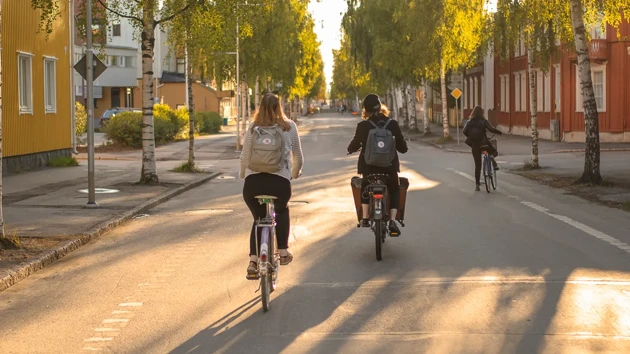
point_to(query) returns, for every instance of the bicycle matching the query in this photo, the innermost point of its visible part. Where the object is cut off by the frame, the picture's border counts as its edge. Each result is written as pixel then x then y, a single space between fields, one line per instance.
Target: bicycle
pixel 489 172
pixel 268 256
pixel 377 190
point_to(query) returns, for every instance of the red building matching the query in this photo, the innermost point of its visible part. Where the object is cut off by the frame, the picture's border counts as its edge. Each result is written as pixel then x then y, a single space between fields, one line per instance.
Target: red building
pixel 559 99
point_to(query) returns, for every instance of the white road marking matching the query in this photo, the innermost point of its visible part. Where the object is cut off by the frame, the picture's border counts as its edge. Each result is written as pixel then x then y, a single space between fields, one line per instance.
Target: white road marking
pixel 99 339
pixel 130 304
pixel 567 220
pixel 105 329
pixel 115 320
pixel 92 349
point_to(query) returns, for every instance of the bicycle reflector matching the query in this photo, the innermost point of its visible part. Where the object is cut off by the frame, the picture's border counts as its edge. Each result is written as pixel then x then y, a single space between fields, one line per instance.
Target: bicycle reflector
pixel 263 257
pixel 378 196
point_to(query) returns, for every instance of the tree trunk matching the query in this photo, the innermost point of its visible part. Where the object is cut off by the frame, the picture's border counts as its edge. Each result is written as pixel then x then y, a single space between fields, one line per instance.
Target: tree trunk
pixel 413 114
pixel 149 168
pixel 444 100
pixel 591 172
pixel 257 93
pixel 533 106
pixel 191 113
pixel 3 240
pixel 243 99
pixel 425 108
pixel 394 107
pixel 405 108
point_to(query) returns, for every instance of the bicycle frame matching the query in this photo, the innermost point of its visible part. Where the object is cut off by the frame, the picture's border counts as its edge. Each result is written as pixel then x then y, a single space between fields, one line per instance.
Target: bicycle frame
pixel 268 240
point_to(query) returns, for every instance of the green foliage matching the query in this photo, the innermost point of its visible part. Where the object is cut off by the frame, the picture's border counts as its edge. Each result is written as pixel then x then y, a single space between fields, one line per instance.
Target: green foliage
pixel 63 161
pixel 126 128
pixel 187 168
pixel 80 126
pixel 208 122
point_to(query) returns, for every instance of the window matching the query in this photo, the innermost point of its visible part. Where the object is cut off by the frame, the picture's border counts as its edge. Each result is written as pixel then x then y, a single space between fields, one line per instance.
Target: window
pixel 181 66
pixel 25 82
pixel 523 97
pixel 517 92
pixel 597 32
pixel 50 85
pixel 129 62
pixel 116 30
pixel 547 79
pixel 465 93
pixel 598 75
pixel 557 86
pixel 505 93
pixel 539 90
pixel 475 92
pixel 482 93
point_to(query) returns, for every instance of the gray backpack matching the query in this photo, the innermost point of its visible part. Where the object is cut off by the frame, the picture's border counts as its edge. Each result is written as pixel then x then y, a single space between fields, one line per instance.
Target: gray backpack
pixel 267 149
pixel 380 149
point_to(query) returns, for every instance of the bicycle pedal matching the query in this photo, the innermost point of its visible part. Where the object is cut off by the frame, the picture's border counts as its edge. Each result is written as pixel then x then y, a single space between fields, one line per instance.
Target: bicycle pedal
pixel 391 234
pixel 252 277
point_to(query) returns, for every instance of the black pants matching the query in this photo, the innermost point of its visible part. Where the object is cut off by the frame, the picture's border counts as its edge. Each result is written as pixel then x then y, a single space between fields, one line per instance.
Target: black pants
pixel 477 152
pixel 268 184
pixel 393 187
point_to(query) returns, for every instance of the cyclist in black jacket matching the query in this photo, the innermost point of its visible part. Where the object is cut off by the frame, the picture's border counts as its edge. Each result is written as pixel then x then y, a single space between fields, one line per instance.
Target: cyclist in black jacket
pixel 377 112
pixel 475 132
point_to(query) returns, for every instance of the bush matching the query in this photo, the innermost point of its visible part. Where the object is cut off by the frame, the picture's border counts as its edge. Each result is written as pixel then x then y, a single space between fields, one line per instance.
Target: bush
pixel 125 129
pixel 184 122
pixel 208 122
pixel 63 161
pixel 80 126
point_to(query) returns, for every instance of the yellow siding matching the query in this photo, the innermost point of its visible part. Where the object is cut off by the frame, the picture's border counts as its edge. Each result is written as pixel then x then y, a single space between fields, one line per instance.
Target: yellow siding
pixel 37 132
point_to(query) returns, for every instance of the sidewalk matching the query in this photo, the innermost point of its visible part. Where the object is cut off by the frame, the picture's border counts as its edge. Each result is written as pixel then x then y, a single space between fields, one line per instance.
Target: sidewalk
pixel 47 209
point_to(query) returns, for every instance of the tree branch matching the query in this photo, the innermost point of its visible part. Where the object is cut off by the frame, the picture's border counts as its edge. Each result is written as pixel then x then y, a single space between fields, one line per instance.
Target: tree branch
pixel 118 13
pixel 172 16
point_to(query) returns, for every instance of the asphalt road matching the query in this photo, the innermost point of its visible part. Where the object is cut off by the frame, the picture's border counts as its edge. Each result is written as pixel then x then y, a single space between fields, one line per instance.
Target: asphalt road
pixel 524 269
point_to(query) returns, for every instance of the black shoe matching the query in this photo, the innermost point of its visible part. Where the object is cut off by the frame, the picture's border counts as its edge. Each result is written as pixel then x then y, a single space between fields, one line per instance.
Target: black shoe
pixel 365 223
pixel 394 231
pixel 477 189
pixel 496 167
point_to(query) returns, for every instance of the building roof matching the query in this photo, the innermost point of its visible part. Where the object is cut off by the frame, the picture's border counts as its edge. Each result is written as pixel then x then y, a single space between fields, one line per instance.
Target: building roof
pixel 171 77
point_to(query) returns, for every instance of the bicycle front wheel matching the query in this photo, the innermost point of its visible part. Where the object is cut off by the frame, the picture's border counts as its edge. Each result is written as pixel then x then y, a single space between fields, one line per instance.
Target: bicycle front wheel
pixel 378 233
pixel 494 179
pixel 484 168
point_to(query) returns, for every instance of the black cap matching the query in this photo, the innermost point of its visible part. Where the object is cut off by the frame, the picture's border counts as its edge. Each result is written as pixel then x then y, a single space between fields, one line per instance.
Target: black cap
pixel 372 103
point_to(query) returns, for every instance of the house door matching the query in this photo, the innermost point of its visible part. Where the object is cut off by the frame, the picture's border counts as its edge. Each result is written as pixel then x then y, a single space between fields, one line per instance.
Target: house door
pixel 115 97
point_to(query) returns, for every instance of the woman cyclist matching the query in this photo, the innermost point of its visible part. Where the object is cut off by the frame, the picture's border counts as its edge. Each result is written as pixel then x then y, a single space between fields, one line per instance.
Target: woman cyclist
pixel 277 184
pixel 475 132
pixel 375 112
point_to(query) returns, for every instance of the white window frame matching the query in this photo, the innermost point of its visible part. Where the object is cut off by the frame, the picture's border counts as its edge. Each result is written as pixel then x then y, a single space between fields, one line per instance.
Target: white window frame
pixel 558 86
pixel 50 107
pixel 465 93
pixel 523 97
pixel 481 93
pixel 517 92
pixel 578 92
pixel 507 93
pixel 28 109
pixel 547 78
pixel 475 93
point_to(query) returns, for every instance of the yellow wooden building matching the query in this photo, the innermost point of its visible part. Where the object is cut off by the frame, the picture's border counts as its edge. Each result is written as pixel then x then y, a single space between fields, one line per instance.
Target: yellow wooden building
pixel 36 87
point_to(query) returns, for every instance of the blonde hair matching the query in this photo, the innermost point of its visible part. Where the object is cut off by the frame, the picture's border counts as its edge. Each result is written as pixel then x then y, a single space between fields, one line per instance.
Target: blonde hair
pixel 270 113
pixel 384 111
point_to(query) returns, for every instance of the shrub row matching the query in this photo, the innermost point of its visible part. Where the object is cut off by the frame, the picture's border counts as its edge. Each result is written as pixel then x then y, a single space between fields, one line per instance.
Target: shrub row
pixel 169 125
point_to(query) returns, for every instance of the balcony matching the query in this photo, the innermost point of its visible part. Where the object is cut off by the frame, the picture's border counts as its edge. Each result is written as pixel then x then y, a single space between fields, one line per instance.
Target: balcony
pixel 597 50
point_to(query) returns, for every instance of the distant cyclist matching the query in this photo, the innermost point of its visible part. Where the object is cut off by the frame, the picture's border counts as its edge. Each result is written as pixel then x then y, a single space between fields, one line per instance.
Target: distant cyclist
pixel 475 132
pixel 271 157
pixel 376 114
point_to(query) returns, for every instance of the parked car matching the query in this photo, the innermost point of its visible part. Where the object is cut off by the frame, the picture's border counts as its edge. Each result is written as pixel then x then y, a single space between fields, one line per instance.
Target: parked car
pixel 112 112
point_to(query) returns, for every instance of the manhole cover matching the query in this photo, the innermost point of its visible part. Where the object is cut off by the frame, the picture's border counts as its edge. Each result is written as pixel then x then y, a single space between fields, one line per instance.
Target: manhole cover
pixel 226 177
pixel 101 191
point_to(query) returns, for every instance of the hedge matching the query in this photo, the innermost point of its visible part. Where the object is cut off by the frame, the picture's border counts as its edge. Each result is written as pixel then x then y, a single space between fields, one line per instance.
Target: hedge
pixel 126 128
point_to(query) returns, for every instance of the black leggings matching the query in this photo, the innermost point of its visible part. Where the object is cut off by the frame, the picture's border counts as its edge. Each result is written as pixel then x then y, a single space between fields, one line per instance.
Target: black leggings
pixel 477 152
pixel 274 185
pixel 393 187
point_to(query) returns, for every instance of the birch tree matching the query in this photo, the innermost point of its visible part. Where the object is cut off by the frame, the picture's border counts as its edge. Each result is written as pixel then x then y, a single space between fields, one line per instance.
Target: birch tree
pixel 4 242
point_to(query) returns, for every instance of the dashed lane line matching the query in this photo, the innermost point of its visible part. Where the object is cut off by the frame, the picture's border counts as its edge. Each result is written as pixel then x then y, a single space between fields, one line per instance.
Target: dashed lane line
pixel 565 219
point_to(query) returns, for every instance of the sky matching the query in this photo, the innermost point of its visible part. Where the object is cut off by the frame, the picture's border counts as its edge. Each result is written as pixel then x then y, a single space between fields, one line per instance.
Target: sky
pixel 327 15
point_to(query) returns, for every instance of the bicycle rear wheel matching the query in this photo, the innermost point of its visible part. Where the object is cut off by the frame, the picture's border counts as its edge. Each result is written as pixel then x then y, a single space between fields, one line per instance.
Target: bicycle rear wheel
pixel 265 290
pixel 494 179
pixel 378 236
pixel 266 278
pixel 484 168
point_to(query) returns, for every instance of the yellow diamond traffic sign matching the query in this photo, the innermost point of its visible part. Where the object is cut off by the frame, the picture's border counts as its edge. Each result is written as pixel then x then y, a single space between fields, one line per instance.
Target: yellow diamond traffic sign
pixel 457 93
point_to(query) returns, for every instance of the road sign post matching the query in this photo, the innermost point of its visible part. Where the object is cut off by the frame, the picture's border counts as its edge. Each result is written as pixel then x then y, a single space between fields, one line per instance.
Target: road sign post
pixel 457 93
pixel 90 67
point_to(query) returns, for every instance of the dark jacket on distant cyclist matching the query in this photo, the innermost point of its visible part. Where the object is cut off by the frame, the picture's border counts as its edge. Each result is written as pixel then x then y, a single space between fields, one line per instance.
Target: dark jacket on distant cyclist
pixel 360 140
pixel 480 121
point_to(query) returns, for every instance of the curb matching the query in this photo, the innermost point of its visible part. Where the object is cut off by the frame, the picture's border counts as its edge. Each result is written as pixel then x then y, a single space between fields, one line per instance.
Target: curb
pixel 441 147
pixel 23 270
pixel 564 151
pixel 109 158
